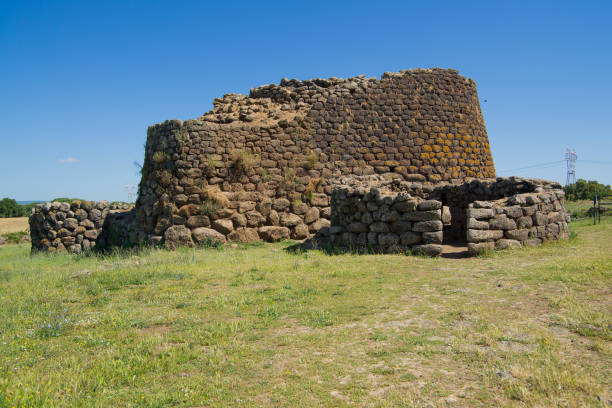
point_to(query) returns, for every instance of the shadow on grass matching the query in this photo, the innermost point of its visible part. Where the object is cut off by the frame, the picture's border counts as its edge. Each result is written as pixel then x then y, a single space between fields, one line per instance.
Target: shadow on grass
pixel 316 244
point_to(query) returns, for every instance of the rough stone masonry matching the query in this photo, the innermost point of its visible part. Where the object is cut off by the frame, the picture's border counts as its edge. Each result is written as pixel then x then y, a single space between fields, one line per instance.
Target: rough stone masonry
pixel 264 166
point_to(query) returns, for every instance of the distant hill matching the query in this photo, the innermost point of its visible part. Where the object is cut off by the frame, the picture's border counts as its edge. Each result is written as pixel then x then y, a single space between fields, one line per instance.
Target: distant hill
pixel 30 202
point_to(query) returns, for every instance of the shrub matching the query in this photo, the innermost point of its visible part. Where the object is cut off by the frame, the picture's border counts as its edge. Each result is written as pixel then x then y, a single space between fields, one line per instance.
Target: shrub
pixel 313 186
pixel 310 160
pixel 160 157
pixel 164 177
pixel 265 175
pixel 212 201
pixel 15 237
pixel 211 163
pixel 243 161
pixel 10 208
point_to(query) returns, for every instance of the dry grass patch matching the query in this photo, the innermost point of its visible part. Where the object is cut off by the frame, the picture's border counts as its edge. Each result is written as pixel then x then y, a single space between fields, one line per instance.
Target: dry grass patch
pixel 17 224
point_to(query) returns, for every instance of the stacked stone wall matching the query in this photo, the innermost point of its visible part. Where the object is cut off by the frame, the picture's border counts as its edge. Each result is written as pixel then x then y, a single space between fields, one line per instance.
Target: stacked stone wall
pixel 520 220
pixel 384 221
pixel 275 153
pixel 81 226
pixel 391 215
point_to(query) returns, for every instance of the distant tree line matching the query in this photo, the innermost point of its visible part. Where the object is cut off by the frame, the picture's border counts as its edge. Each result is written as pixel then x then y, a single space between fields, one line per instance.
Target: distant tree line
pixel 586 190
pixel 10 208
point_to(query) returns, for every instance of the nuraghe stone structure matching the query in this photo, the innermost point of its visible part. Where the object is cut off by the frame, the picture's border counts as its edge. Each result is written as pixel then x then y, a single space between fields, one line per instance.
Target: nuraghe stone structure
pixel 293 160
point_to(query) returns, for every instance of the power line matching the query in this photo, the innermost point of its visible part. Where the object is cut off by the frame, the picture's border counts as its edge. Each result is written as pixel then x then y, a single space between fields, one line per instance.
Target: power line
pixel 555 163
pixel 596 161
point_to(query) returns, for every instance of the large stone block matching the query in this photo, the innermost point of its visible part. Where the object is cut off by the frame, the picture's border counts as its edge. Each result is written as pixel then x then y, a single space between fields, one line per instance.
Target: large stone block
pixel 273 233
pixel 429 205
pixel 427 215
pixel 203 234
pixel 243 234
pixel 196 221
pixel 518 235
pixel 480 247
pixel 502 222
pixel 290 220
pixel 507 244
pixel 480 213
pixel 428 249
pixel 433 237
pixel 224 226
pixel 483 235
pixel 177 236
pixel 427 226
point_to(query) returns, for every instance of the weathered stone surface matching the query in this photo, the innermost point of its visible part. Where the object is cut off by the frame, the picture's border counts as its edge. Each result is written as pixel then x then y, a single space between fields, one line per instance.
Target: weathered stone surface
pixel 388 239
pixel 514 211
pixel 244 235
pixel 502 223
pixel 483 204
pixel 483 235
pixel 540 218
pixel 480 247
pixel 480 213
pixel 429 205
pixel 400 227
pixel 517 235
pixel 273 233
pixel 507 244
pixel 318 225
pixel 91 235
pixel 410 238
pixel 197 221
pixel 176 236
pixel 432 237
pixel 405 206
pixel 357 227
pixel 379 227
pixel 311 215
pixel 300 232
pixel 281 204
pixel 71 223
pixel 428 249
pixel 427 226
pixel 429 215
pixel 473 223
pixel 524 222
pixel 203 234
pixel 290 220
pixel 224 226
pixel 254 219
pixel 239 220
pixel 319 200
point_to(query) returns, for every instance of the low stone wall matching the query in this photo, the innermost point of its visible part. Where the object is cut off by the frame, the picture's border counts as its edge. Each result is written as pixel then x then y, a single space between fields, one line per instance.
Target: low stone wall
pixel 392 215
pixel 79 226
pixel 366 212
pixel 520 220
pixel 385 221
pixel 237 217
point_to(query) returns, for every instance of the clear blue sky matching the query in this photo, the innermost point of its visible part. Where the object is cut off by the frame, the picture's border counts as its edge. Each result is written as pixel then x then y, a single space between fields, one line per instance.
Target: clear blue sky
pixel 81 81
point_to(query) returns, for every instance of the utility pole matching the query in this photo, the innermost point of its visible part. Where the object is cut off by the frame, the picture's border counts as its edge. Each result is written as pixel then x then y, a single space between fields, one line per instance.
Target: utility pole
pixel 131 190
pixel 570 160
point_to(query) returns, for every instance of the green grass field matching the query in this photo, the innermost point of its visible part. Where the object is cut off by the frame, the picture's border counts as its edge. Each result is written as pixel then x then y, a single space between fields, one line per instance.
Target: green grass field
pixel 261 326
